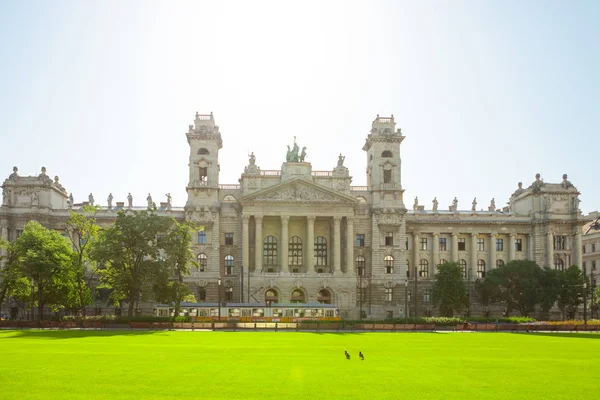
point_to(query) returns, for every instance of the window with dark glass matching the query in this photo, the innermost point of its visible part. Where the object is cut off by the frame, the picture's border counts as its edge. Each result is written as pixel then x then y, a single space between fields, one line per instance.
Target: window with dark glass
pixel 424 268
pixel 360 240
pixel 389 238
pixel 270 251
pixel 499 263
pixel 387 176
pixel 229 294
pixel 360 266
pixel 499 244
pixel 462 246
pixel 202 262
pixel 388 262
pixel 423 243
pixel 295 251
pixel 427 296
pixel 320 251
pixel 229 239
pixel 442 244
pixel 228 265
pixel 463 264
pixel 559 242
pixel 389 294
pixel 518 245
pixel 559 264
pixel 480 244
pixel 480 269
pixel 202 237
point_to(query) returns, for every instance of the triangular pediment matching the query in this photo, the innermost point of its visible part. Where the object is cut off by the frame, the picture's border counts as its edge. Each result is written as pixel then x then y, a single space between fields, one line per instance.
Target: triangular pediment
pixel 298 190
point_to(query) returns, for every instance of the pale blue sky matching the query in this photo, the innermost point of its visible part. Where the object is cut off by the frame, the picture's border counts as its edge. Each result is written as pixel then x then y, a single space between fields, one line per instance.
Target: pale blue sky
pixel 486 93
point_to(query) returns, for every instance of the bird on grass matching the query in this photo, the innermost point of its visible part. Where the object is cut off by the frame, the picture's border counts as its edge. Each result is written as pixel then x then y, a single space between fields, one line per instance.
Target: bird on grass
pixel 360 355
pixel 347 355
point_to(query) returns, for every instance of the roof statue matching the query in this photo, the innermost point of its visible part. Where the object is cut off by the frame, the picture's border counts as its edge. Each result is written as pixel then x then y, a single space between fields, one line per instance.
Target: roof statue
pixel 435 204
pixel 292 155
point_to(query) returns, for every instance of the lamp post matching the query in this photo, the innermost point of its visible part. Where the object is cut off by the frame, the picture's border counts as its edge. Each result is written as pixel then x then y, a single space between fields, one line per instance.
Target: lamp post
pixel 405 301
pixel 585 305
pixel 360 294
pixel 468 292
pixel 219 297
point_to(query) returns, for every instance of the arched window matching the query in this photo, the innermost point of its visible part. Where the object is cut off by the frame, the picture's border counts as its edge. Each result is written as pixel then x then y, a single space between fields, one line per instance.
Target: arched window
pixel 463 264
pixel 295 252
pixel 424 268
pixel 270 251
pixel 298 296
pixel 229 265
pixel 480 269
pixel 201 294
pixel 442 261
pixel 229 199
pixel 499 263
pixel 203 151
pixel 202 262
pixel 360 266
pixel 321 251
pixel 386 154
pixel 388 262
pixel 271 296
pixel 324 296
pixel 559 264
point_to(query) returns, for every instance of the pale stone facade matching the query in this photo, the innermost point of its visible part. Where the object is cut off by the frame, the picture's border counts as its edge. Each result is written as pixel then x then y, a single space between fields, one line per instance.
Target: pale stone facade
pixel 296 234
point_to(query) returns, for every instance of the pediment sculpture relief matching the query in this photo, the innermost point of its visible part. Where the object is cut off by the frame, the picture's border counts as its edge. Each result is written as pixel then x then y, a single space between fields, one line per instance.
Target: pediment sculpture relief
pixel 298 193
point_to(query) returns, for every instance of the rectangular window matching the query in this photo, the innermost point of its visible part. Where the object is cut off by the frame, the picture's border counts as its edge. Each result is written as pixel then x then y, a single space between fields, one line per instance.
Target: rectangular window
pixel 389 314
pixel 389 239
pixel 462 246
pixel 406 244
pixel 202 237
pixel 387 176
pixel 559 242
pixel 228 270
pixel 423 243
pixel 229 239
pixel 593 265
pixel 389 294
pixel 203 174
pixel 201 294
pixel 499 244
pixel 518 245
pixel 583 249
pixel 480 244
pixel 442 244
pixel 229 294
pixel 360 240
pixel 593 247
pixel 427 296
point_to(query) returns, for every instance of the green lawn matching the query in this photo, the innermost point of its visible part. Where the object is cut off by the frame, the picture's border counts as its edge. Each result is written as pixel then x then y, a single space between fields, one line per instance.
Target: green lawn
pixel 286 365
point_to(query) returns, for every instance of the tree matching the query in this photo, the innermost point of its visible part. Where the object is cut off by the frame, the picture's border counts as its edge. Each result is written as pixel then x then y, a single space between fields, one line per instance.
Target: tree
pixel 517 285
pixel 83 232
pixel 570 295
pixel 550 283
pixel 127 255
pixel 449 292
pixel 42 258
pixel 12 284
pixel 177 258
pixel 594 302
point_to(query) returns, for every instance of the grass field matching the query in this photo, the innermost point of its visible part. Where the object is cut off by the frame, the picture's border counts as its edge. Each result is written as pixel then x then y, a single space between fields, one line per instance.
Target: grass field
pixel 284 365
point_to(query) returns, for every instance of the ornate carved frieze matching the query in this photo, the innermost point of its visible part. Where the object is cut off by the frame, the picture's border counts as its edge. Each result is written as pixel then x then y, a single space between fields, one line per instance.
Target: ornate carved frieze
pixel 299 193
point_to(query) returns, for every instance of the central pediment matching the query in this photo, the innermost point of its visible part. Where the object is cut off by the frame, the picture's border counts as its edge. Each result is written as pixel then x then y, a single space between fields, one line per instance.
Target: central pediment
pixel 298 190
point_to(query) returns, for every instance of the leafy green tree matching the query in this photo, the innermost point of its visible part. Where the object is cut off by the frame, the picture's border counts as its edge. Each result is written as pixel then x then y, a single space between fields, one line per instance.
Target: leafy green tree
pixel 449 292
pixel 128 255
pixel 42 258
pixel 550 285
pixel 594 302
pixel 570 295
pixel 12 284
pixel 518 284
pixel 83 232
pixel 177 258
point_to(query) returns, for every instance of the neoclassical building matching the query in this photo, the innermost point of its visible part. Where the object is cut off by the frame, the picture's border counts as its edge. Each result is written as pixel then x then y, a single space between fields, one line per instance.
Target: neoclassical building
pixel 299 235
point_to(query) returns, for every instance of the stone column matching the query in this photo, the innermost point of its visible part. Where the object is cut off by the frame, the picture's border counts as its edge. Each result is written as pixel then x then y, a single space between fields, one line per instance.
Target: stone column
pixel 416 254
pixel 511 247
pixel 245 242
pixel 436 250
pixel 285 219
pixel 337 253
pixel 310 244
pixel 550 250
pixel 350 246
pixel 530 246
pixel 454 252
pixel 577 251
pixel 258 243
pixel 3 236
pixel 492 259
pixel 473 253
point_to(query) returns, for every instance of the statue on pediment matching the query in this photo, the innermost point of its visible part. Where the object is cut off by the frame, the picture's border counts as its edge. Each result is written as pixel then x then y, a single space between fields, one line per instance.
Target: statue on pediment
pixel 454 206
pixel 341 160
pixel 435 204
pixel 416 203
pixel 474 204
pixel 14 175
pixel 565 184
pixel 537 184
pixel 70 201
pixel 129 200
pixel 252 159
pixel 150 202
pixel 292 155
pixel 168 201
pixel 91 199
pixel 492 206
pixel 109 201
pixel 303 154
pixel 519 190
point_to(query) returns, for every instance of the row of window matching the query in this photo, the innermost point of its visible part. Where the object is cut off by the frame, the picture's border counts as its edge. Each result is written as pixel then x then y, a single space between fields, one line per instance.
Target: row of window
pixel 462 244
pixel 584 265
pixel 388 295
pixel 592 248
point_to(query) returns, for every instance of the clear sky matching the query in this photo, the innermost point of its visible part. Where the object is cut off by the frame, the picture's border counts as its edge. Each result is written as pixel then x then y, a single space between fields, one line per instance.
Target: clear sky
pixel 486 93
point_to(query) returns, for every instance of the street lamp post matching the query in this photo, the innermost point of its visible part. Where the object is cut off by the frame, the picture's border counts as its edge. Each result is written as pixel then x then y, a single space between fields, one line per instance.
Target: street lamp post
pixel 585 305
pixel 405 301
pixel 219 297
pixel 468 292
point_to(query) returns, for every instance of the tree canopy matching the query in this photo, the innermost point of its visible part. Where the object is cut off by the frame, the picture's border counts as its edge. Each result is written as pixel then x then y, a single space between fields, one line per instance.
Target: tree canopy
pixel 449 292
